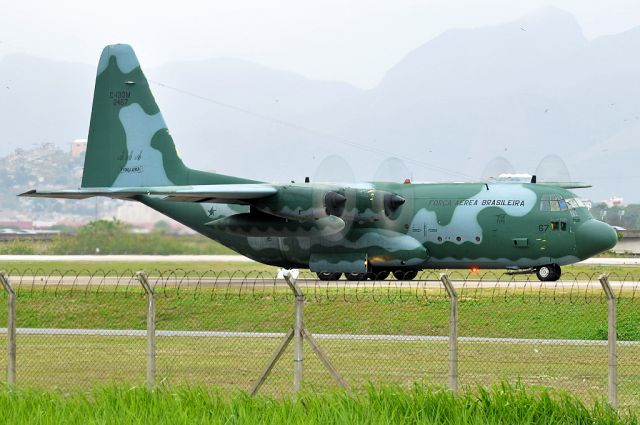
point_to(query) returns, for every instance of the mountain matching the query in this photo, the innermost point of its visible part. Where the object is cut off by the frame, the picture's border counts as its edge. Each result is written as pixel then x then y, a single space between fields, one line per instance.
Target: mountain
pixel 521 90
pixel 43 101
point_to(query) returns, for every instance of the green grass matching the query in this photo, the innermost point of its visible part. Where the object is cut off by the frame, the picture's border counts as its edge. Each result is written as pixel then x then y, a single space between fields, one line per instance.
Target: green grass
pixel 500 404
pixel 510 316
pixel 120 242
pixel 86 268
pixel 234 363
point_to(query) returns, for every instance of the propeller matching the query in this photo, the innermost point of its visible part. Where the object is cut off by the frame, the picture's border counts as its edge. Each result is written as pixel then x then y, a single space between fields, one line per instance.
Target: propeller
pixel 495 167
pixel 334 192
pixel 334 169
pixel 392 170
pixel 334 203
pixel 552 168
pixel 392 202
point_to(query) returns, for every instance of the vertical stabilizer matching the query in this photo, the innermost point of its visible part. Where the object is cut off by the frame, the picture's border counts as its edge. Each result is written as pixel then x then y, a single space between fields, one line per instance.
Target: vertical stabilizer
pixel 129 143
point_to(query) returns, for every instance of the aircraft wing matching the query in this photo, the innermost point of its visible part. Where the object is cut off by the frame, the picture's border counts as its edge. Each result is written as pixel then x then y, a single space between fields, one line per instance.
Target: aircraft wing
pixel 221 193
pixel 567 185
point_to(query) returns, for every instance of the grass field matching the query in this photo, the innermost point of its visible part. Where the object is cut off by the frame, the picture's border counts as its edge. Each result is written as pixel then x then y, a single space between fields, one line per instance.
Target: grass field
pixel 233 363
pixel 373 312
pixel 69 361
pixel 119 267
pixel 501 404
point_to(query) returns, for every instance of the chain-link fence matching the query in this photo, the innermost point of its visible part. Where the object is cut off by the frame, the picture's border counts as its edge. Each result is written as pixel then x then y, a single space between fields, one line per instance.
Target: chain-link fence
pixel 76 329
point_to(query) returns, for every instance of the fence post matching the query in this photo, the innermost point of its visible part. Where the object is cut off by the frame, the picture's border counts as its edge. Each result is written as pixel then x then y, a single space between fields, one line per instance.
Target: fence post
pixel 11 328
pixel 151 328
pixel 453 331
pixel 298 332
pixel 298 360
pixel 612 341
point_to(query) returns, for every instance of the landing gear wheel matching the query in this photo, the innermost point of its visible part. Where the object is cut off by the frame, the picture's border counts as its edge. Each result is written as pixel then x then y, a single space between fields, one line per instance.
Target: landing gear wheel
pixel 548 273
pixel 405 274
pixel 380 275
pixel 356 276
pixel 329 276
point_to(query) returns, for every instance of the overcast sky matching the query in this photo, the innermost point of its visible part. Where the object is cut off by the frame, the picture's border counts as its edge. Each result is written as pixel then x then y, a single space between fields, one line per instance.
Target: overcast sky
pixel 355 41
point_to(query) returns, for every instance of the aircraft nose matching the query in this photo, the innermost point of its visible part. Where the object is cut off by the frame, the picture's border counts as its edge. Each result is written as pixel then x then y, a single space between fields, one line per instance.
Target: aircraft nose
pixel 594 237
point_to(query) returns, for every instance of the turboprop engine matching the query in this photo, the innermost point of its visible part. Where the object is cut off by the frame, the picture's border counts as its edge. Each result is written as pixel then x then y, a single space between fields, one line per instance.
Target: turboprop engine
pixel 304 203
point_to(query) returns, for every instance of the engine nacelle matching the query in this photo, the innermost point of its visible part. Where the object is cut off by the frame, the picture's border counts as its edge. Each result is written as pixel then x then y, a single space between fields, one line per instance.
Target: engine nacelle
pixel 311 202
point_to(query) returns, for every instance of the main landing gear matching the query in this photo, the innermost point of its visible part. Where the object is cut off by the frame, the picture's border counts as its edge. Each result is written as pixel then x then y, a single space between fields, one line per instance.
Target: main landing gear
pixel 329 276
pixel 405 274
pixel 548 273
pixel 375 275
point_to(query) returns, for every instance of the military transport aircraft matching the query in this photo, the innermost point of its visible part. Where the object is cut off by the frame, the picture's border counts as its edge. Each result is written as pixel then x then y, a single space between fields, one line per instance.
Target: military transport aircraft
pixel 364 230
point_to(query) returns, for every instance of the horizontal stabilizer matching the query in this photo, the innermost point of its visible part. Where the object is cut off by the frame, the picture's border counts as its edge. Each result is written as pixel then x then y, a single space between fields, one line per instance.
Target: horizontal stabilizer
pixel 223 193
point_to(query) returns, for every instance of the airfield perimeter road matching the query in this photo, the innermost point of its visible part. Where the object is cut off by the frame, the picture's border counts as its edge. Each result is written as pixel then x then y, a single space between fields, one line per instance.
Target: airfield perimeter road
pixel 614 261
pixel 366 337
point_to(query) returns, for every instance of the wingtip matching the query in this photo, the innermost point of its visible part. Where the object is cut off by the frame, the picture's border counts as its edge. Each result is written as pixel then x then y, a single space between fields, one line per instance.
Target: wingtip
pixel 28 193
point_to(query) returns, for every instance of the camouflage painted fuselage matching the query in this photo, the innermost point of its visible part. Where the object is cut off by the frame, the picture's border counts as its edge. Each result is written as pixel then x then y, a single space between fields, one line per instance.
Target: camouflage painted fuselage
pixel 451 225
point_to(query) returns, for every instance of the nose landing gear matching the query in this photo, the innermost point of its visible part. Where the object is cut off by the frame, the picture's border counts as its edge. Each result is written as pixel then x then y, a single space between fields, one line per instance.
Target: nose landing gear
pixel 548 273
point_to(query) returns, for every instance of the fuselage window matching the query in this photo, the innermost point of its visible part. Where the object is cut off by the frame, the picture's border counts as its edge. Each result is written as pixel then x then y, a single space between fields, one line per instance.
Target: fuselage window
pixel 558 225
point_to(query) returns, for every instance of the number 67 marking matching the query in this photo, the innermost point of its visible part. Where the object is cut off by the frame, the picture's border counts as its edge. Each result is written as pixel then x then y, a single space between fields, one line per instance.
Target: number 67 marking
pixel 543 227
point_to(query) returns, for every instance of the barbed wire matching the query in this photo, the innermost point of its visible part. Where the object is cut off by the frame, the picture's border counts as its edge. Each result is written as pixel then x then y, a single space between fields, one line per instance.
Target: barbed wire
pixel 493 286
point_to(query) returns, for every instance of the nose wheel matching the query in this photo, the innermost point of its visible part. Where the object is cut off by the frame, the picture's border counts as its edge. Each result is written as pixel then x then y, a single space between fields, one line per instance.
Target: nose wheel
pixel 548 273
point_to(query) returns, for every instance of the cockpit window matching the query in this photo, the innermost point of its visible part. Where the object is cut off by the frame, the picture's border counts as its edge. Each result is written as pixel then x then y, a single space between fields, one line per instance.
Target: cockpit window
pixel 574 203
pixel 553 202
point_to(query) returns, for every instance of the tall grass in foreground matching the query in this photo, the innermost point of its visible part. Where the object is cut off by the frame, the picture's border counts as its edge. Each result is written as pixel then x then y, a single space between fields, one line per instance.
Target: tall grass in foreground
pixel 501 404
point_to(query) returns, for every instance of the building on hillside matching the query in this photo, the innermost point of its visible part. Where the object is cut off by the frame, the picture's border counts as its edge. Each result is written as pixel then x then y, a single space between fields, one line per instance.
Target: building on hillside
pixel 615 201
pixel 78 147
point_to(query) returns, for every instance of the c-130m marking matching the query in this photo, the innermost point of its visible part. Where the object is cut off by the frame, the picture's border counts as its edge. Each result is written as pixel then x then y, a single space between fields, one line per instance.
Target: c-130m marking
pixel 364 230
